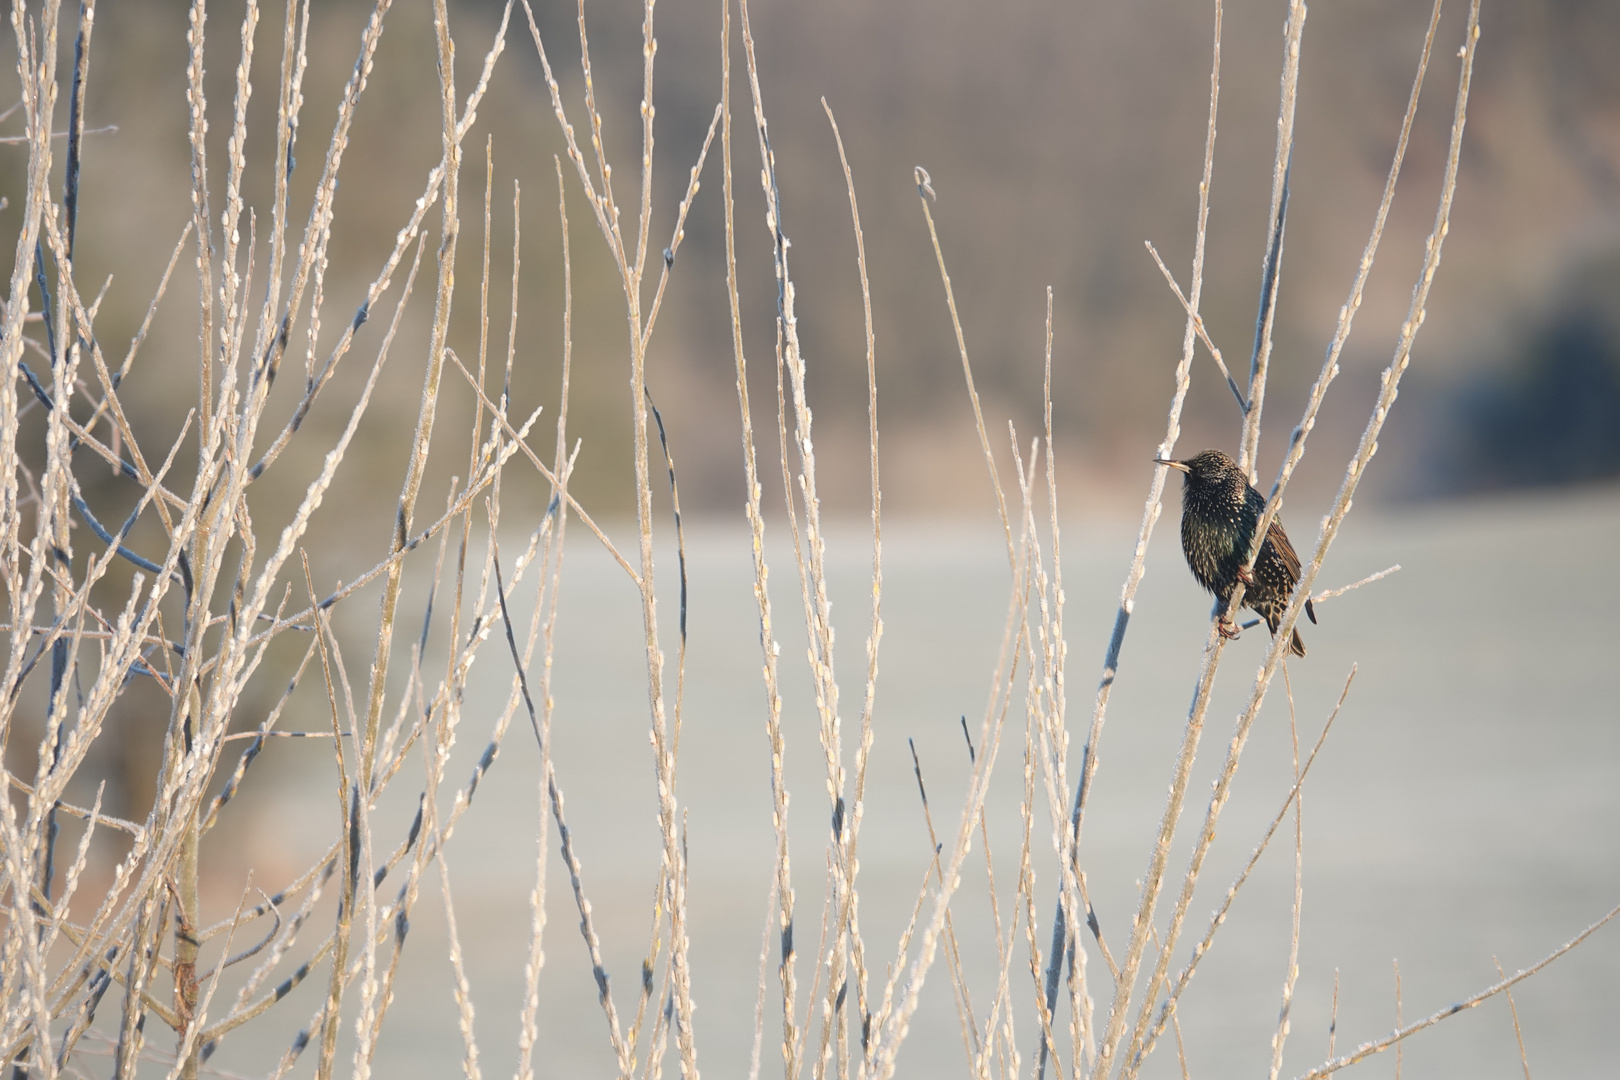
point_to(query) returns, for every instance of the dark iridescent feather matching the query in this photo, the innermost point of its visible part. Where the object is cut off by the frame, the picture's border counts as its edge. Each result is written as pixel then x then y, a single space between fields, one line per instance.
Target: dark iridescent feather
pixel 1219 512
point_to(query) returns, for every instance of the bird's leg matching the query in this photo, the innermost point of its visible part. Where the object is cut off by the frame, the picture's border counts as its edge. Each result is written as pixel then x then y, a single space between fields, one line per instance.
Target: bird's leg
pixel 1245 575
pixel 1227 628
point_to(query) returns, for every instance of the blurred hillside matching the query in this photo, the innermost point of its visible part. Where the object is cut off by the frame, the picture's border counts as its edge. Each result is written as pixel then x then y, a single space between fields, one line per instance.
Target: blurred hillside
pixel 1059 138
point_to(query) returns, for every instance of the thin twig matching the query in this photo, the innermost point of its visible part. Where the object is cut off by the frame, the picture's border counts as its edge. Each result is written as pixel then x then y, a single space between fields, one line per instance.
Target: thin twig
pixel 1198 324
pixel 1518 1032
pixel 1150 516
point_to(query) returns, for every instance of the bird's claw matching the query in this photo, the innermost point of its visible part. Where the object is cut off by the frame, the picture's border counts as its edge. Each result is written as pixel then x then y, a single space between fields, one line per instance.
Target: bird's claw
pixel 1246 576
pixel 1227 629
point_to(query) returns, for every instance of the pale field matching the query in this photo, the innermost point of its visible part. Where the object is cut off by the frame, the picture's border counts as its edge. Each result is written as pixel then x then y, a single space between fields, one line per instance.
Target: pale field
pixel 1464 805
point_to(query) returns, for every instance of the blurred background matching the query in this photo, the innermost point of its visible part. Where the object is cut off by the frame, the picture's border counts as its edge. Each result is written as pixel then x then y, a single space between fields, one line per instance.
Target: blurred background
pixel 1059 137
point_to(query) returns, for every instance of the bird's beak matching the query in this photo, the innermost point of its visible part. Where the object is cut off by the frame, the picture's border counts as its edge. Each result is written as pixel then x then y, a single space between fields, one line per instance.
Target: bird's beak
pixel 1173 464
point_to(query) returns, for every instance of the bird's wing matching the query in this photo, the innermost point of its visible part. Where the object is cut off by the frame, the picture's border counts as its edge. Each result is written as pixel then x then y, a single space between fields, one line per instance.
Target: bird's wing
pixel 1285 551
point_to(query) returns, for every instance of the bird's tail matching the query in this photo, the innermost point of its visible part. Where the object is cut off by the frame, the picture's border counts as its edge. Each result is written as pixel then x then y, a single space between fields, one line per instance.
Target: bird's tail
pixel 1273 617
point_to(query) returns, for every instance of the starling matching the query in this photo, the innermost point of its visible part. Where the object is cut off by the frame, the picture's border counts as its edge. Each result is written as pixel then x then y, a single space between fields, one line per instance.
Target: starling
pixel 1219 510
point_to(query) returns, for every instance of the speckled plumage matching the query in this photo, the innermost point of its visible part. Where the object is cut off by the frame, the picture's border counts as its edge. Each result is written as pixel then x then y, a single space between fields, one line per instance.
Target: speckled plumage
pixel 1219 512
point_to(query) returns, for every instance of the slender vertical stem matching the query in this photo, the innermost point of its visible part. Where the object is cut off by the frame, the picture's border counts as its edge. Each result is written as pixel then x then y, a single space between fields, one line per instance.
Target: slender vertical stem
pixel 1271 270
pixel 1150 516
pixel 449 233
pixel 188 911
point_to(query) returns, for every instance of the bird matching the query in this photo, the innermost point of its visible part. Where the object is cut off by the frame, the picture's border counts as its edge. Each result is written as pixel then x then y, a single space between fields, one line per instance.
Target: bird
pixel 1219 511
